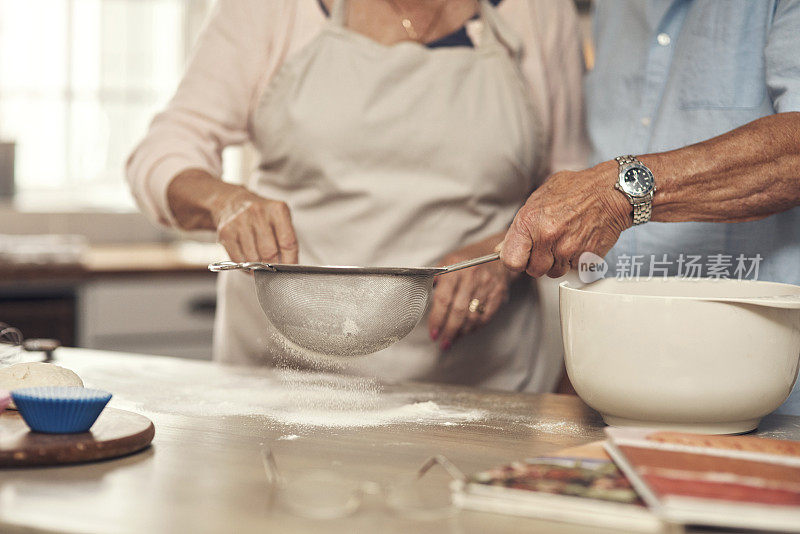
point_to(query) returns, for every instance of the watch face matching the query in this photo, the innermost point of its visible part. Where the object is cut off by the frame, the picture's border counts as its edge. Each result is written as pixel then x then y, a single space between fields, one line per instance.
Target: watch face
pixel 636 180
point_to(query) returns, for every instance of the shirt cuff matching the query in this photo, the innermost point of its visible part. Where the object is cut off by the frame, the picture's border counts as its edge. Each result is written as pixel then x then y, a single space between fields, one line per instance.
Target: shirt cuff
pixel 788 101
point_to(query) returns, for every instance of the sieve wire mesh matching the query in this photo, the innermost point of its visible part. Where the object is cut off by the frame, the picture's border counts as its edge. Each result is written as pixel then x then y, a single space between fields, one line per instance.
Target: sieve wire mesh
pixel 343 314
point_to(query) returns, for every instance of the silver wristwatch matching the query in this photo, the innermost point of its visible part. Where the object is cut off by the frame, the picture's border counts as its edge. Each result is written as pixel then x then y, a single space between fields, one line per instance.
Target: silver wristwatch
pixel 637 183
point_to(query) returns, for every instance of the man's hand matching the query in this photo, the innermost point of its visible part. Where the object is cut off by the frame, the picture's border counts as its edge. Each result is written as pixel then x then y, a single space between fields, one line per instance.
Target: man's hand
pixel 746 174
pixel 571 213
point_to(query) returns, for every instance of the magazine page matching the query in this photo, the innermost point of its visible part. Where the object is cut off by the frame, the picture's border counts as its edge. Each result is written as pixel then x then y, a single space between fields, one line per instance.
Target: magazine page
pixel 579 485
pixel 733 481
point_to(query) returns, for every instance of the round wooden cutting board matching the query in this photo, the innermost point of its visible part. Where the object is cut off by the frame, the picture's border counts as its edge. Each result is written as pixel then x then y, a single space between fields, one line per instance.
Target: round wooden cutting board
pixel 115 433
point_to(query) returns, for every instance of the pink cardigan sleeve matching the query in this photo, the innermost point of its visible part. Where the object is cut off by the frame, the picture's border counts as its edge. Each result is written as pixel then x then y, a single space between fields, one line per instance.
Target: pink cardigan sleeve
pixel 211 107
pixel 552 63
pixel 564 67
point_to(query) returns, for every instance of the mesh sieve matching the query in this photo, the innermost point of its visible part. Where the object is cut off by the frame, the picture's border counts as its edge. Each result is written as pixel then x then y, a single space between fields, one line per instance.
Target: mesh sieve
pixel 341 314
pixel 343 311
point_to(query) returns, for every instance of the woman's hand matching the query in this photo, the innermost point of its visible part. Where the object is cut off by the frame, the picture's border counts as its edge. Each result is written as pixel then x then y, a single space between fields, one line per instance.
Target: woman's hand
pixel 250 227
pixel 254 228
pixel 467 299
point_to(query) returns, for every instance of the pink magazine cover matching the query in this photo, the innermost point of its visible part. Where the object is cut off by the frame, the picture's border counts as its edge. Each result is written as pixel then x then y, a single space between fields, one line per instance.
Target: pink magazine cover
pixel 729 481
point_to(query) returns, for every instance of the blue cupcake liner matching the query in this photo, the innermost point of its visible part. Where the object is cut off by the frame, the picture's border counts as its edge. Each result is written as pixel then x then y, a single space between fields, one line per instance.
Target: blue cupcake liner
pixel 60 410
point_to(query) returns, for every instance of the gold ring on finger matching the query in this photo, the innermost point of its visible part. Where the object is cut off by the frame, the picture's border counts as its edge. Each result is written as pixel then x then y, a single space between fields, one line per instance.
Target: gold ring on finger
pixel 475 306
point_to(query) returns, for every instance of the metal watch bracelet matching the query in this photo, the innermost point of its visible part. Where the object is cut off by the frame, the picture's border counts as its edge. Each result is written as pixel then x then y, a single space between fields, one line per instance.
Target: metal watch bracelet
pixel 643 210
pixel 642 206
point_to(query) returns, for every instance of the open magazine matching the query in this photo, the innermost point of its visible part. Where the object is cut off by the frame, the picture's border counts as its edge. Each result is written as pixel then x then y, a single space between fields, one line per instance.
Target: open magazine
pixel 578 485
pixel 725 481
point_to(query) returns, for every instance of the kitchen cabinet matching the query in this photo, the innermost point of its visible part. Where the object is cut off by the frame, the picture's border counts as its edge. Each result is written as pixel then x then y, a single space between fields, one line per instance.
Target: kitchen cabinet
pixel 152 299
pixel 49 314
pixel 169 316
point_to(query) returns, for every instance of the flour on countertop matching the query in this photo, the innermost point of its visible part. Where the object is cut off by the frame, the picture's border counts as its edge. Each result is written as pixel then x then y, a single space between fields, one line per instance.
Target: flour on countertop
pixel 556 427
pixel 292 398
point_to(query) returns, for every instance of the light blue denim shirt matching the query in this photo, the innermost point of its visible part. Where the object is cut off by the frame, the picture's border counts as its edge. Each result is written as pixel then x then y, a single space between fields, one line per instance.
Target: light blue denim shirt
pixel 669 73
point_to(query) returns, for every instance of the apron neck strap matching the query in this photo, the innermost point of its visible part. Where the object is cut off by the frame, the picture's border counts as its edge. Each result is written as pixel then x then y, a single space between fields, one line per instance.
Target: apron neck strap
pixel 495 31
pixel 339 13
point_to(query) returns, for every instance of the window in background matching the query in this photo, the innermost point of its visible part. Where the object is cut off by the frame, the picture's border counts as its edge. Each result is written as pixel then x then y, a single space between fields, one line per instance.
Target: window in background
pixel 80 81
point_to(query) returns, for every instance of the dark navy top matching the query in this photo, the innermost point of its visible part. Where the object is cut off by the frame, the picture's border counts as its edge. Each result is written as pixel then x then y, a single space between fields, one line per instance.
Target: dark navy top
pixel 457 38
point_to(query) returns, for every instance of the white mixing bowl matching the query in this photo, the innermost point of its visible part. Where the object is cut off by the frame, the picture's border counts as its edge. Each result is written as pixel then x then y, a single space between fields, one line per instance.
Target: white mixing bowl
pixel 650 353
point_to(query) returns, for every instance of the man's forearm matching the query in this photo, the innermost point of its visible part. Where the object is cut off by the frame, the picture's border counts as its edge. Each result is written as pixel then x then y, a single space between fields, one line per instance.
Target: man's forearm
pixel 746 174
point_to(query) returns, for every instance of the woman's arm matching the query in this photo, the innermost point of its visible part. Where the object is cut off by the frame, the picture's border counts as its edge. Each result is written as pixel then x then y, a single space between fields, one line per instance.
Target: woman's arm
pixel 250 227
pixel 175 172
pixel 211 107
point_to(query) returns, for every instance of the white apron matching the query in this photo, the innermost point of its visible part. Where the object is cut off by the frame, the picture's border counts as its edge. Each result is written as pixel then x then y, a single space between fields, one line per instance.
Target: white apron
pixel 395 156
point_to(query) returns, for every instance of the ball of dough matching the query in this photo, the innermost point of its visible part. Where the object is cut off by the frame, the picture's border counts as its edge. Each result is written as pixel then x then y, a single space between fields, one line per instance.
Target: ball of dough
pixel 35 374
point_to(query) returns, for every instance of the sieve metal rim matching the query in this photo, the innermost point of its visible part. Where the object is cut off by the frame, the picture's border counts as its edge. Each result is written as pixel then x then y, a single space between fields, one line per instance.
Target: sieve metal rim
pixel 325 269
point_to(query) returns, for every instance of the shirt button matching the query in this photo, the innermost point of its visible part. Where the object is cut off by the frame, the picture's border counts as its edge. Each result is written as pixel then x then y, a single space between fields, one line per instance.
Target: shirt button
pixel 663 39
pixel 645 121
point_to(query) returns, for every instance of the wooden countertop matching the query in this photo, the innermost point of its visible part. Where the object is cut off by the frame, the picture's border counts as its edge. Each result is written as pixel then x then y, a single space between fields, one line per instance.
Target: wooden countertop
pixel 122 260
pixel 204 474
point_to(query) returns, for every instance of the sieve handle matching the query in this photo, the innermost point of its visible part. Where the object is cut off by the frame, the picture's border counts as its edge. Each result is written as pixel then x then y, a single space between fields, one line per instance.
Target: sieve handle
pixel 470 263
pixel 232 265
pixel 225 266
